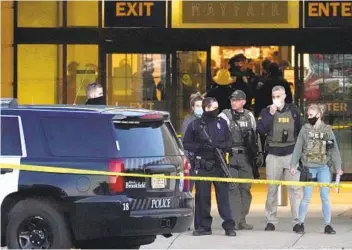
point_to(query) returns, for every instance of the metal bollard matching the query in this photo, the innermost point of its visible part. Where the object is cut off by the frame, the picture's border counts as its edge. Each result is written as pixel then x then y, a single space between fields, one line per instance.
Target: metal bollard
pixel 282 196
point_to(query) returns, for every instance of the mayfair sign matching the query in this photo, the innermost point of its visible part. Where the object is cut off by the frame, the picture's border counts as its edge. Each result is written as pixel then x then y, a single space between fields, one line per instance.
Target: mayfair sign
pixel 327 14
pixel 234 14
pixel 135 13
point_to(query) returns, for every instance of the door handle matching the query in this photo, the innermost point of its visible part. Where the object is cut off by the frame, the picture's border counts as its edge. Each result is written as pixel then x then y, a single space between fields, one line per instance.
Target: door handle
pixel 6 170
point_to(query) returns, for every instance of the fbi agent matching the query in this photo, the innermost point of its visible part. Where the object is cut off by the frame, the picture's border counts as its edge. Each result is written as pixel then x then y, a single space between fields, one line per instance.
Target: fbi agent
pixel 281 123
pixel 244 149
pixel 196 140
pixel 316 146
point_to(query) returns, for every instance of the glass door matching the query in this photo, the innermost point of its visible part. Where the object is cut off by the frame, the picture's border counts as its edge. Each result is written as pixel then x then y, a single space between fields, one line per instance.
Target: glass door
pixel 138 80
pixel 327 79
pixel 191 77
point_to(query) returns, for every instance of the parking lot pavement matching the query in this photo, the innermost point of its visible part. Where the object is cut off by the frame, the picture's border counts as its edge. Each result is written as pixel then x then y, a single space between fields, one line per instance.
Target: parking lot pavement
pixel 283 237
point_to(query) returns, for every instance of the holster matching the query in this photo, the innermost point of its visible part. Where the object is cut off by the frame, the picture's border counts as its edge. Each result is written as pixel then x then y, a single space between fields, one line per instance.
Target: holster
pixel 208 164
pixel 305 175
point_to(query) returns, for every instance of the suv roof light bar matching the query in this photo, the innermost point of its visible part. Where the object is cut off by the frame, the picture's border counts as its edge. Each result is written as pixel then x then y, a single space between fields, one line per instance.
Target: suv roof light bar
pixel 9 102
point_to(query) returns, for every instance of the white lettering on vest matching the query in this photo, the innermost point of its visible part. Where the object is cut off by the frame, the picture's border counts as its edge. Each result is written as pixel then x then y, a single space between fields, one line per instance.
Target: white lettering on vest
pixel 161 203
pixel 243 124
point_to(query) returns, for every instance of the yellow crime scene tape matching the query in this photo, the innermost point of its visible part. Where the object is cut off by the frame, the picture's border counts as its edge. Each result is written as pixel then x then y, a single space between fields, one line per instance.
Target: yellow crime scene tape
pixel 60 170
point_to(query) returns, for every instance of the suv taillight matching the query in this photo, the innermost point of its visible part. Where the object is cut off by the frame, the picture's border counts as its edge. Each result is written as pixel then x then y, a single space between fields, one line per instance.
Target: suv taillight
pixel 186 172
pixel 116 183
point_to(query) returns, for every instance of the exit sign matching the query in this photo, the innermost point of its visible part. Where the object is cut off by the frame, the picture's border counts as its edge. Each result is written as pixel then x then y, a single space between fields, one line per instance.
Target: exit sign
pixel 135 14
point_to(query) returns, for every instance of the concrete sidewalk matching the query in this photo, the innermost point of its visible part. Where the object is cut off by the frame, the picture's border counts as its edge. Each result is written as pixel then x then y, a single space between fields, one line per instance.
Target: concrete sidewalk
pixel 282 238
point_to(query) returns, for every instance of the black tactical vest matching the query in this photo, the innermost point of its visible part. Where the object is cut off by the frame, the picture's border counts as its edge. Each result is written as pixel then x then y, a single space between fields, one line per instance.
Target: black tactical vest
pixel 244 121
pixel 282 133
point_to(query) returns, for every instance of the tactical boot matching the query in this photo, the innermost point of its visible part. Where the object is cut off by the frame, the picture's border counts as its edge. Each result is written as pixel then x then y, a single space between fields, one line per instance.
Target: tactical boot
pixel 270 227
pixel 245 226
pixel 230 233
pixel 201 232
pixel 329 230
pixel 299 228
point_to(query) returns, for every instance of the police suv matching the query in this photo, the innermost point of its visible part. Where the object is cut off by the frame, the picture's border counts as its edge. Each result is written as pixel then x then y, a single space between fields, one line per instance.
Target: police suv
pixel 64 210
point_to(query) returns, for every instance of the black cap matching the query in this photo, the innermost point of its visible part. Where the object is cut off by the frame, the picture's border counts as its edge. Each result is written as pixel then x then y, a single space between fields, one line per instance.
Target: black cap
pixel 238 95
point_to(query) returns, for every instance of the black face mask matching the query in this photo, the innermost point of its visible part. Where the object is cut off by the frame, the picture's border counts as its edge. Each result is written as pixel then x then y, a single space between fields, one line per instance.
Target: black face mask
pixel 312 120
pixel 211 114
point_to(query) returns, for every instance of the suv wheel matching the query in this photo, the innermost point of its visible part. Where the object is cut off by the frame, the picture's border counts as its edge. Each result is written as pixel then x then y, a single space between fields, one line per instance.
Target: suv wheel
pixel 37 224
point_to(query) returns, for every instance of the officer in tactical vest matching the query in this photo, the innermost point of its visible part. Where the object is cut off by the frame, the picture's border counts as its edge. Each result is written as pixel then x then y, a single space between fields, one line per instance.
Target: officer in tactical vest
pixel 281 123
pixel 203 136
pixel 244 152
pixel 316 146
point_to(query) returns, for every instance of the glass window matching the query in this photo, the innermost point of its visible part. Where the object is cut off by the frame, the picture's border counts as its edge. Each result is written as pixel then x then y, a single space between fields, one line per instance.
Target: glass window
pixel 76 137
pixel 192 78
pixel 6 49
pixel 39 13
pixel 328 80
pixel 39 74
pixel 82 13
pixel 82 69
pixel 137 80
pixel 10 137
pixel 148 139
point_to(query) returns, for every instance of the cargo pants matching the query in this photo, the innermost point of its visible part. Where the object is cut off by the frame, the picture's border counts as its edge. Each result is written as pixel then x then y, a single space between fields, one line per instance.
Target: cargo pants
pixel 278 168
pixel 240 197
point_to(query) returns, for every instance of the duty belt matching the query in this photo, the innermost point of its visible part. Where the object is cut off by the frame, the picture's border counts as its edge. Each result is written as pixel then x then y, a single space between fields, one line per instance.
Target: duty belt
pixel 238 151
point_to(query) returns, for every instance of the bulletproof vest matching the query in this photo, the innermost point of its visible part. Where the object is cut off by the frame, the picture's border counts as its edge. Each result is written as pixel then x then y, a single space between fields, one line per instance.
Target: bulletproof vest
pixel 244 121
pixel 315 149
pixel 282 133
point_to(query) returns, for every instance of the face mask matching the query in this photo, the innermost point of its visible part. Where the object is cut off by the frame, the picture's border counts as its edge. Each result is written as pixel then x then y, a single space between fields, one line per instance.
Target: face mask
pixel 198 111
pixel 277 102
pixel 212 114
pixel 312 120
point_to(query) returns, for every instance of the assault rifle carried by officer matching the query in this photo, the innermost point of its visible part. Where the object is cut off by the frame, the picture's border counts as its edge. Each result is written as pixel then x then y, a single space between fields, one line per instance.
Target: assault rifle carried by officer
pixel 205 137
pixel 245 156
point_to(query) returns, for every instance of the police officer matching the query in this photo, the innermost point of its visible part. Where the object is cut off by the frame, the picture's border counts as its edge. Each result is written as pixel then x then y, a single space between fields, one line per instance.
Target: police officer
pixel 196 140
pixel 94 92
pixel 244 149
pixel 281 123
pixel 316 146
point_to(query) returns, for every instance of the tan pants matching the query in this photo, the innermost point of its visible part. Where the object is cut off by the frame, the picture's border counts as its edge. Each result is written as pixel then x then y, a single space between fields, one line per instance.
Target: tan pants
pixel 278 168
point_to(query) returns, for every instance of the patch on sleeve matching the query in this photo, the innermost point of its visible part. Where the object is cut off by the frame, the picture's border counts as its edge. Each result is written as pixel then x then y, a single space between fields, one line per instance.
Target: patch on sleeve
pixel 259 118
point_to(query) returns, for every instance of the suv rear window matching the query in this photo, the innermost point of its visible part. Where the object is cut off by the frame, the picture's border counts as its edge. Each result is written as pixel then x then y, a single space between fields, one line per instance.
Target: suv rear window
pixel 10 137
pixel 146 139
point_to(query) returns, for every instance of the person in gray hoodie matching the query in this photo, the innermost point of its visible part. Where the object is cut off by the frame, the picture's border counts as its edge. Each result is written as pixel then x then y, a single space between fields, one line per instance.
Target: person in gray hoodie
pixel 316 145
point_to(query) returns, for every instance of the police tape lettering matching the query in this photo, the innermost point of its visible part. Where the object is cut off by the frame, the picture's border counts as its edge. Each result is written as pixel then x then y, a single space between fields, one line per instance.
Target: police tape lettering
pixel 60 170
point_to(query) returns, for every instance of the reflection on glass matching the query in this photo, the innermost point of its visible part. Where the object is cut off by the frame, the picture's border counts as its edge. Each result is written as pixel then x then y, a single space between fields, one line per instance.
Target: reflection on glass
pixel 137 80
pixel 328 77
pixel 192 78
pixel 77 17
pixel 82 69
pixel 328 80
pixel 39 13
pixel 39 79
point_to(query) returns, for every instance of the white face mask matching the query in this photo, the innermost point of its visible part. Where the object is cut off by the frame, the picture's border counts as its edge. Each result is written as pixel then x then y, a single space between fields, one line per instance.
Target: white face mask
pixel 277 102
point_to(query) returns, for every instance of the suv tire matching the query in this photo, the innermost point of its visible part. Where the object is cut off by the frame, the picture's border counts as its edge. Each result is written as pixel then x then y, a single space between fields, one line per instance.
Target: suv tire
pixel 51 228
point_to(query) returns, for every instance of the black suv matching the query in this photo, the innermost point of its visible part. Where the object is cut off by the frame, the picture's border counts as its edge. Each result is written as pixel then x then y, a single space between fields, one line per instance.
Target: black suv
pixel 55 210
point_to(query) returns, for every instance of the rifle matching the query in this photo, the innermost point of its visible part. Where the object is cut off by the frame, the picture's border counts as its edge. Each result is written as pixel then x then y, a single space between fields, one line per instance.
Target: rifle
pixel 220 156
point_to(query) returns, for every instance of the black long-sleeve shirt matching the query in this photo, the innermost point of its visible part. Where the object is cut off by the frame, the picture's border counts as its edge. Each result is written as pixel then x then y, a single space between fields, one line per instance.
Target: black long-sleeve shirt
pixel 195 139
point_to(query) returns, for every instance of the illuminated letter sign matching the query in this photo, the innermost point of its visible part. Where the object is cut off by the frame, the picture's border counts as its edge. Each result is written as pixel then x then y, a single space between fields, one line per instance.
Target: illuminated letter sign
pixel 328 14
pixel 135 14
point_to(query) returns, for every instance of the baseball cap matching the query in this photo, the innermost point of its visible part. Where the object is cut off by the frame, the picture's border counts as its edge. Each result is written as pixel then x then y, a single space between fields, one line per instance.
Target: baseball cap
pixel 238 95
